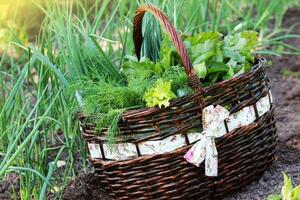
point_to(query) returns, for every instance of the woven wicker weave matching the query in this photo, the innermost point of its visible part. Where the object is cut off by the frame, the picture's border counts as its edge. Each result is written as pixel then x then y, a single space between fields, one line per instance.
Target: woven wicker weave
pixel 244 153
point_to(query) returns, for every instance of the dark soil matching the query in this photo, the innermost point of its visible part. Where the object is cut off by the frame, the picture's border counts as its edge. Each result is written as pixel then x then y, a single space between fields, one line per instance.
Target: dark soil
pixel 286 94
pixel 84 187
pixel 9 187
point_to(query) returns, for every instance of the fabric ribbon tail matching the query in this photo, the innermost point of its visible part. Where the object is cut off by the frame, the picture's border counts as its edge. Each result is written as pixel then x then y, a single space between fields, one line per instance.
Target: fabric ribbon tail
pixel 211 161
pixel 196 154
pixel 205 148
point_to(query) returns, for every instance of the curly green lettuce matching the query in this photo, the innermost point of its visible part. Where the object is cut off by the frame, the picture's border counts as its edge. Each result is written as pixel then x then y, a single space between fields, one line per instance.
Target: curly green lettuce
pixel 160 94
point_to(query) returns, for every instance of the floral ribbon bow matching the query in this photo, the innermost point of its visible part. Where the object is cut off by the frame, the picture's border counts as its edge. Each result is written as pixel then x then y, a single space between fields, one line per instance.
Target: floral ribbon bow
pixel 205 148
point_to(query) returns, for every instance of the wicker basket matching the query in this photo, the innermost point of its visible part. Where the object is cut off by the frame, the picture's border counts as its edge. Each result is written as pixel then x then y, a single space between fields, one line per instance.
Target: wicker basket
pixel 244 152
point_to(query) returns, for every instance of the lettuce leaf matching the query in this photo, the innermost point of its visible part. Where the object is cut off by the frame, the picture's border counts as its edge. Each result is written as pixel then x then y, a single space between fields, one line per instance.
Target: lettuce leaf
pixel 239 47
pixel 203 46
pixel 143 69
pixel 159 95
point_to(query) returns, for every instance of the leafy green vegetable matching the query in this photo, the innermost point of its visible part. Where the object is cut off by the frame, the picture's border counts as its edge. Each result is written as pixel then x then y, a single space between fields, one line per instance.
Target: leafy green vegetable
pixel 111 121
pixel 179 79
pixel 274 197
pixel 156 83
pixel 160 94
pixel 296 193
pixel 167 53
pixel 222 58
pixel 105 102
pixel 102 97
pixel 238 50
pixel 287 191
pixel 215 66
pixel 200 70
pixel 204 46
pixel 141 69
pixel 152 38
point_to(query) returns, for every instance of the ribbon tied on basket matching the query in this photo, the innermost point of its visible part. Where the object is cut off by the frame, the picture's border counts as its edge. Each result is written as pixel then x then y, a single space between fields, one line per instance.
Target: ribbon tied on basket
pixel 205 148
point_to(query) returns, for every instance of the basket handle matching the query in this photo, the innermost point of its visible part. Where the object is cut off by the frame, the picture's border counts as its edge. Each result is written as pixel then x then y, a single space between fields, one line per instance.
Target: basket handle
pixel 194 81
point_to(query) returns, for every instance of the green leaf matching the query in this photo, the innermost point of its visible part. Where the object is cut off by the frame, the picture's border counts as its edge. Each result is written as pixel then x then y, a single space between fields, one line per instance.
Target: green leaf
pixel 251 39
pixel 203 51
pixel 160 94
pixel 203 46
pixel 219 54
pixel 239 47
pixel 286 190
pixel 215 66
pixel 167 53
pixel 229 74
pixel 200 70
pixel 158 68
pixel 143 69
pixel 44 59
pixel 274 197
pixel 296 193
pixel 204 36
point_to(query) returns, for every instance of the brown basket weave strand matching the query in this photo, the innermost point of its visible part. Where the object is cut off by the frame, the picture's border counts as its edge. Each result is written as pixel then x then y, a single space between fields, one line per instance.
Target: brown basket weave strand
pixel 243 157
pixel 244 153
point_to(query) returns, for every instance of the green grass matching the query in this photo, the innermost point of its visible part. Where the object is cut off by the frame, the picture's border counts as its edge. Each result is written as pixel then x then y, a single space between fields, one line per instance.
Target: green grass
pixel 88 39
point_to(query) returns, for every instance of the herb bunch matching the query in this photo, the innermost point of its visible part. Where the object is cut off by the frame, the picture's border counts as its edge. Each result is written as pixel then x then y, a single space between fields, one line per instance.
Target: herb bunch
pixel 148 83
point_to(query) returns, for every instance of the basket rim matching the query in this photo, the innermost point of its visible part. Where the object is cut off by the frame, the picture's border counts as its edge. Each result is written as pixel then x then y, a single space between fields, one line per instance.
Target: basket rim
pixel 146 111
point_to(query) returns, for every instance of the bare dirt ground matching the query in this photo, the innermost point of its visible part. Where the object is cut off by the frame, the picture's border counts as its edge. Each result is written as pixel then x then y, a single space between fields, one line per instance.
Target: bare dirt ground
pixel 286 94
